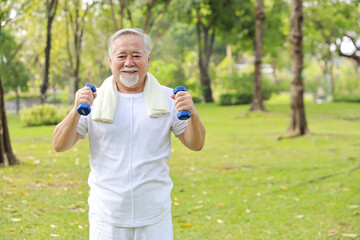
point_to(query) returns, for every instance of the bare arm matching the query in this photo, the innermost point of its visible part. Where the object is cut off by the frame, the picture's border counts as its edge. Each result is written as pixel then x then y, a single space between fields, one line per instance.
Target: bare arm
pixel 65 134
pixel 194 135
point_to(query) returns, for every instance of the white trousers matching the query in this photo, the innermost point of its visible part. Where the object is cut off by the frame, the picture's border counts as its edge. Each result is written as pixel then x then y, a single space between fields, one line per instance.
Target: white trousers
pixel 99 230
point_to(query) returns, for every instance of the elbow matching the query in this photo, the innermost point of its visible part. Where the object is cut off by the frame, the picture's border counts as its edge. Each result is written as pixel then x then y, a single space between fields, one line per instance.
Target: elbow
pixel 198 147
pixel 57 148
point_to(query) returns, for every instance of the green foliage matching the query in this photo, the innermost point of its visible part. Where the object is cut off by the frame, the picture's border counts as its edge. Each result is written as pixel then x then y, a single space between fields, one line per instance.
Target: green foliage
pixel 13 72
pixel 43 115
pixel 238 87
pixel 235 98
pixel 23 96
pixel 346 98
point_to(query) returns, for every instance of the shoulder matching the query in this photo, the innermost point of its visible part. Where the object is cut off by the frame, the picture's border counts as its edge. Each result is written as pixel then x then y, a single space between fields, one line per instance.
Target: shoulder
pixel 167 91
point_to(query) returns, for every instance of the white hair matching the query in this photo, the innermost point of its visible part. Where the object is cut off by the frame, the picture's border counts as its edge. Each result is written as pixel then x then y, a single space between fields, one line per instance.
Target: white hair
pixel 126 31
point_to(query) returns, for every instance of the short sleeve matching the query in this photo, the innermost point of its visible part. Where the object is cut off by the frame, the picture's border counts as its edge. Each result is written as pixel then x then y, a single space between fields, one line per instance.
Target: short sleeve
pixel 178 126
pixel 82 127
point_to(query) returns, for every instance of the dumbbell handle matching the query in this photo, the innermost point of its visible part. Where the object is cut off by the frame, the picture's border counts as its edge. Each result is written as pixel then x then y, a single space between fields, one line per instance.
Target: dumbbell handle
pixel 182 115
pixel 83 108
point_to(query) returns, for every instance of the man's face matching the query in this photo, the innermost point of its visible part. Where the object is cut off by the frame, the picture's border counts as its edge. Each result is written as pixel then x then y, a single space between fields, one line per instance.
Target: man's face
pixel 128 61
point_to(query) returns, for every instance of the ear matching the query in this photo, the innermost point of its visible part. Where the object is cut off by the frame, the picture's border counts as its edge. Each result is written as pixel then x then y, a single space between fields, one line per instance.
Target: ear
pixel 149 58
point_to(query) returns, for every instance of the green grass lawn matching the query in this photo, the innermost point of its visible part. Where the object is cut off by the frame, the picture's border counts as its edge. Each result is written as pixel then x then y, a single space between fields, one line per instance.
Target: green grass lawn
pixel 242 185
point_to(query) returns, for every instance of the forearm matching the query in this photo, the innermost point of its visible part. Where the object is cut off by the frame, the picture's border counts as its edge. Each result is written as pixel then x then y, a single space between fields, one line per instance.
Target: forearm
pixel 194 135
pixel 65 133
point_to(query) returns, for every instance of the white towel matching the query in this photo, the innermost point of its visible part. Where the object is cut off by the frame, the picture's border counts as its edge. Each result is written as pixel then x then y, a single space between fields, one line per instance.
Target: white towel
pixel 156 103
pixel 104 106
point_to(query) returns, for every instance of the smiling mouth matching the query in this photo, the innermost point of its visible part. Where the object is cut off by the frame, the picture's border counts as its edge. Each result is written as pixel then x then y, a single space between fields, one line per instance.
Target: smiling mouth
pixel 129 70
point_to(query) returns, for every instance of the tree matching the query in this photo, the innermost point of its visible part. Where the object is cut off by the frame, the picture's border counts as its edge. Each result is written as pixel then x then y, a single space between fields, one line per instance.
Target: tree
pixel 76 22
pixel 14 73
pixel 329 23
pixel 51 6
pixel 276 36
pixel 7 157
pixel 205 37
pixel 298 124
pixel 225 20
pixel 156 20
pixel 257 102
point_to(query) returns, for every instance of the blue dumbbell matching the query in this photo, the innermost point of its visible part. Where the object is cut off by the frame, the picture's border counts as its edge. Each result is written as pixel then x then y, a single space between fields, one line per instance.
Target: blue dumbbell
pixel 183 115
pixel 83 108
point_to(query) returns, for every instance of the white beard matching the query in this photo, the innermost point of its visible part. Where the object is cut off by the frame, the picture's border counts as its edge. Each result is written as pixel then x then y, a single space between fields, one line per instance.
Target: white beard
pixel 129 80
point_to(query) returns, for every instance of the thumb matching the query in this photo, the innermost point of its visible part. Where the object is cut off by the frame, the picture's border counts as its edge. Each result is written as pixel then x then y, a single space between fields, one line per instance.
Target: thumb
pixel 173 96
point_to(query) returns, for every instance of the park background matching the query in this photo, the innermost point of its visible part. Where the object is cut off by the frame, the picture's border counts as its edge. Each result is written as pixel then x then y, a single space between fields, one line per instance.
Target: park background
pixel 253 179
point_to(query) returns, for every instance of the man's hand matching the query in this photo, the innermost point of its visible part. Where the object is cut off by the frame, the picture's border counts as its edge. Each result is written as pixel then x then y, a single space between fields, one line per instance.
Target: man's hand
pixel 84 95
pixel 184 101
pixel 194 135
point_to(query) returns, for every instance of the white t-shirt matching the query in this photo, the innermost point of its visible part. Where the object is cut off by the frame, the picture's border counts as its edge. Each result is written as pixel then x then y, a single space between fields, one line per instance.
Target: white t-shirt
pixel 129 179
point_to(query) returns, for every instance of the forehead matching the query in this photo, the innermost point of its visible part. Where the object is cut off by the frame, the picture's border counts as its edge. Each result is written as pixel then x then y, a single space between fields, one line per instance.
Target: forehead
pixel 129 42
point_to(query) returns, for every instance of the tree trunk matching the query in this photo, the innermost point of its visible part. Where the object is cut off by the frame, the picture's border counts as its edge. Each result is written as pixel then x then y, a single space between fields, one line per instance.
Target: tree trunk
pixel 258 96
pixel 122 8
pixel 17 100
pixel 77 25
pixel 205 49
pixel 7 157
pixel 298 123
pixel 113 15
pixel 51 10
pixel 274 68
pixel 332 83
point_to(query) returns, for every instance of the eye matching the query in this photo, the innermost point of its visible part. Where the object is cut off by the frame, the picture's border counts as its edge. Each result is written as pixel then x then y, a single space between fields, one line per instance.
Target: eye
pixel 121 57
pixel 137 56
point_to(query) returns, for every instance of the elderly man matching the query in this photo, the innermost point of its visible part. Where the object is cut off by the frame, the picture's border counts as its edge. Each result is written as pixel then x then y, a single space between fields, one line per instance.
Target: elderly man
pixel 129 129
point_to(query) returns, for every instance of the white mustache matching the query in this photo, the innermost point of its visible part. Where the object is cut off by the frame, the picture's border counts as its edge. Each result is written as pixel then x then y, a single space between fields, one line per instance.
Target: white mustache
pixel 129 70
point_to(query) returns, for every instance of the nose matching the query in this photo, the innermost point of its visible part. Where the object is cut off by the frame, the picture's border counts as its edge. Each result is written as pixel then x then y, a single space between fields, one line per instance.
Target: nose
pixel 129 62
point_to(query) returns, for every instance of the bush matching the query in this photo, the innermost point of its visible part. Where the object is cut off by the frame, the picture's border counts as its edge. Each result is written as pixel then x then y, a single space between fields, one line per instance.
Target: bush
pixel 243 98
pixel 346 98
pixel 235 98
pixel 226 99
pixel 43 115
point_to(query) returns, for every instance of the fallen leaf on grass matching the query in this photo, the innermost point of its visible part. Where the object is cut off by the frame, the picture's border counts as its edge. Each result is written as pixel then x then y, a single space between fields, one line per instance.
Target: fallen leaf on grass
pixel 349 235
pixel 11 229
pixel 218 204
pixel 333 232
pixel 220 221
pixel 187 225
pixel 54 235
pixel 248 211
pixel 284 188
pixel 354 206
pixel 198 207
pixel 53 226
pixel 15 219
pixel 299 216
